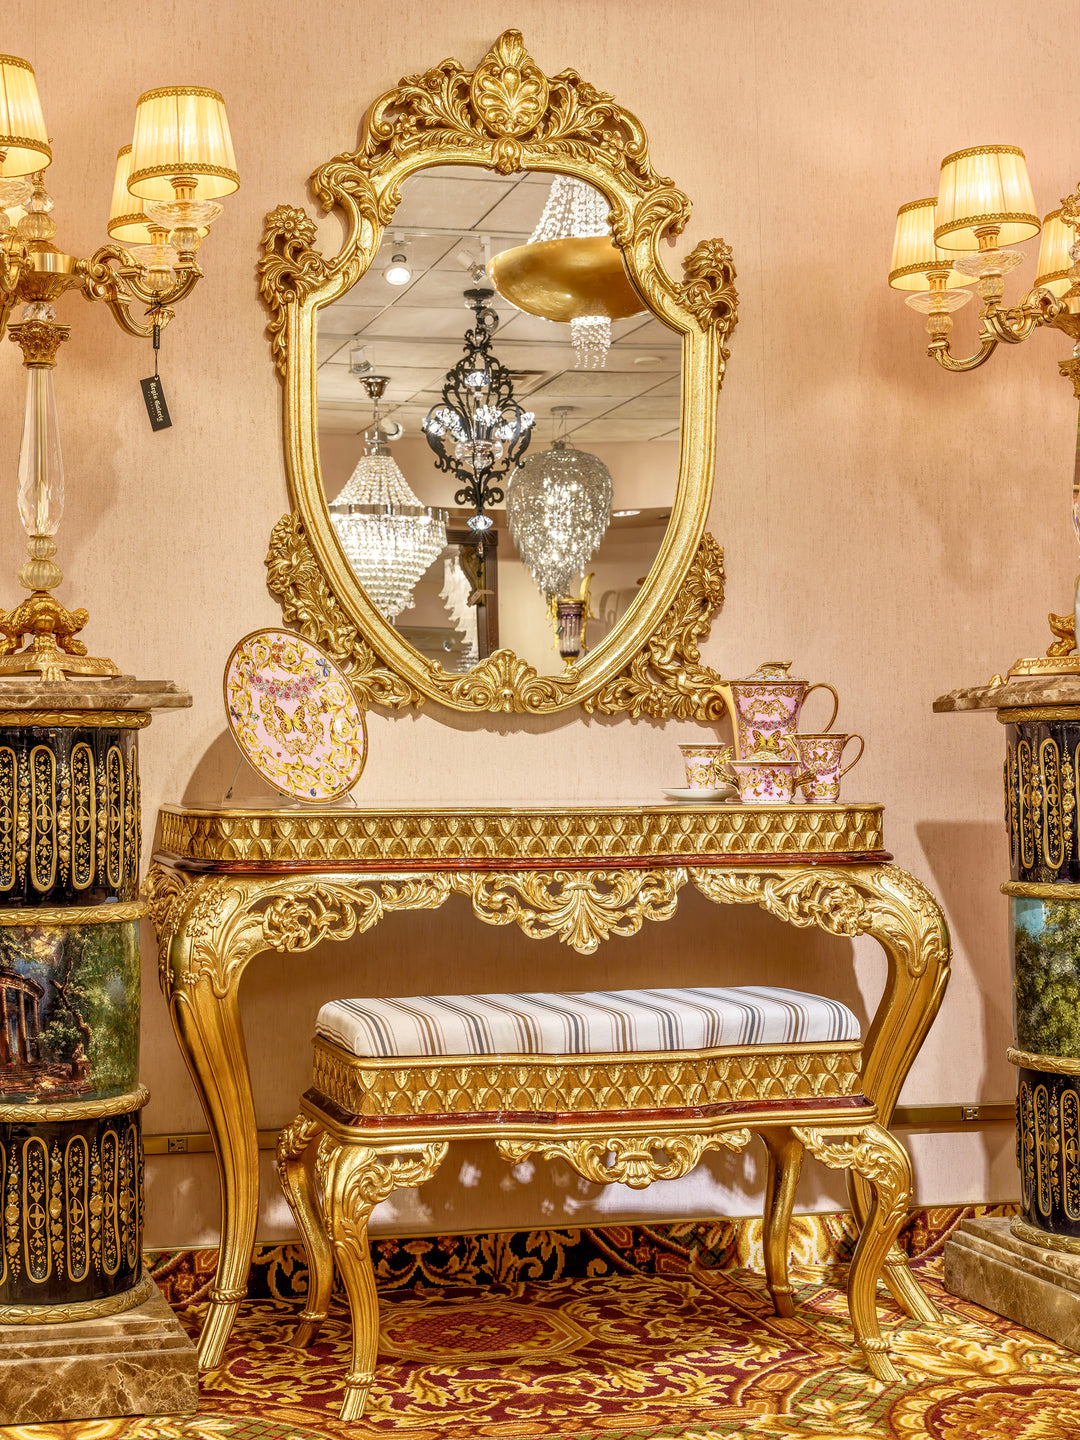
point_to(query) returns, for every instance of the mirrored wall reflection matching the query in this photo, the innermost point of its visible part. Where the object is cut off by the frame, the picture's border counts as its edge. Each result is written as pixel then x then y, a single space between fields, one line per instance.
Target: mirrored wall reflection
pixel 509 482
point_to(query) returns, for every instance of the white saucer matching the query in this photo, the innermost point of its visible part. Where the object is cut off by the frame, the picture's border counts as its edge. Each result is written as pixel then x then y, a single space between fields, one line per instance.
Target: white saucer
pixel 685 796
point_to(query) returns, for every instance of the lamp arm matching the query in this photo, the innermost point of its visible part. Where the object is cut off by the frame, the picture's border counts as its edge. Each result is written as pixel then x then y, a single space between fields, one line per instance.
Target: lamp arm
pixel 112 275
pixel 938 350
pixel 1039 307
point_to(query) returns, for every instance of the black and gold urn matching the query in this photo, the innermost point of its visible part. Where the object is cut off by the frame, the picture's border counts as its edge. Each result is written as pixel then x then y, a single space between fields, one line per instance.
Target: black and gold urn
pixel 71 1161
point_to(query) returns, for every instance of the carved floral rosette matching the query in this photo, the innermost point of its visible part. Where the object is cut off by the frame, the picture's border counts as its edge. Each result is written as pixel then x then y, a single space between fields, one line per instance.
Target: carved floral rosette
pixel 509 116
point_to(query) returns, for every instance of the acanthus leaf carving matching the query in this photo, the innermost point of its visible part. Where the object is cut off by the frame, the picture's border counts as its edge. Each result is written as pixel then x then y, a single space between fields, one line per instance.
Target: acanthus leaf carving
pixel 666 679
pixel 634 1161
pixel 580 907
pixel 709 289
pixel 227 921
pixel 306 602
pixel 289 269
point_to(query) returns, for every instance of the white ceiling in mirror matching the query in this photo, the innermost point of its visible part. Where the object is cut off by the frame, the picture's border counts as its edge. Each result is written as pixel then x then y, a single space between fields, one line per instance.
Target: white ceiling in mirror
pixel 415 331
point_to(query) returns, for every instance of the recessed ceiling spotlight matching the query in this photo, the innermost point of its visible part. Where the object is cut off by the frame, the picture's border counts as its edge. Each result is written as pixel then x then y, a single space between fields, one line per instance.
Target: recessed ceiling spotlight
pixel 647 361
pixel 622 514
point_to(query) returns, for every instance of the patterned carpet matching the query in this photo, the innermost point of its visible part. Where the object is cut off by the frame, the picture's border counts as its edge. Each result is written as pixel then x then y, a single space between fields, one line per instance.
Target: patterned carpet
pixel 631 1333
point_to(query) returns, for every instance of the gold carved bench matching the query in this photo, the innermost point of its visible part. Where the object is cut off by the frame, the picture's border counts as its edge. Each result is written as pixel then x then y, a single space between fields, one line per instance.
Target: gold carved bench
pixel 630 1086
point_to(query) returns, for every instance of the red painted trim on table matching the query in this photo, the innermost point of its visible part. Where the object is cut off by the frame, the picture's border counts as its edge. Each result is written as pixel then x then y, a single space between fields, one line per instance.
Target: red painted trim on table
pixel 568 1119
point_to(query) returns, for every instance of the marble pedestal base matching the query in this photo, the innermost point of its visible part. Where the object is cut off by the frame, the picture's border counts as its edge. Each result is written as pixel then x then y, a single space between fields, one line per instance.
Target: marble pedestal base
pixel 1037 1287
pixel 139 1362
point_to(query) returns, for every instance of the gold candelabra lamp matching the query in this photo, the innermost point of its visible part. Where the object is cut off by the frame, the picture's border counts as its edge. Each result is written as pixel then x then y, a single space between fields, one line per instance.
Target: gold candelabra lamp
pixel 165 193
pixel 959 238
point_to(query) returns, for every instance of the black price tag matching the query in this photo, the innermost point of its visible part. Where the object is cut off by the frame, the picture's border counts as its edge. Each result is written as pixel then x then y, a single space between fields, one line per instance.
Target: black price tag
pixel 156 406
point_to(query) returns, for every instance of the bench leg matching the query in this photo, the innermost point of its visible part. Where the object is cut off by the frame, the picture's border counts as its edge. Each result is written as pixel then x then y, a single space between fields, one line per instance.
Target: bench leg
pixel 357 1178
pixel 883 1163
pixel 784 1164
pixel 295 1155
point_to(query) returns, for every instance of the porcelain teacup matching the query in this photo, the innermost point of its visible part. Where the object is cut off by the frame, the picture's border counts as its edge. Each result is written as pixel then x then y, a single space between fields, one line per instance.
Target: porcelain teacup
pixel 821 757
pixel 707 766
pixel 768 776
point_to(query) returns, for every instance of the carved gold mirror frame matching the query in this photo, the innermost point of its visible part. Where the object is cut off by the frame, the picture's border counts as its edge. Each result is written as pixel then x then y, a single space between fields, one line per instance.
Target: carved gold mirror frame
pixel 507 115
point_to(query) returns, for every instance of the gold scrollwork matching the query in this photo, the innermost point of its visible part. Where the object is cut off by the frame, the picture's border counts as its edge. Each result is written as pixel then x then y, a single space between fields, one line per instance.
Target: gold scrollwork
pixel 113 838
pixel 1070 1152
pixel 1053 836
pixel 508 115
pixel 1045 1158
pixel 76 1163
pixel 1027 837
pixel 80 1309
pixel 224 931
pixel 83 811
pixel 872 1154
pixel 8 766
pixel 43 836
pixel 635 1162
pixel 77 719
pixel 74 914
pixel 1025 1143
pixel 580 907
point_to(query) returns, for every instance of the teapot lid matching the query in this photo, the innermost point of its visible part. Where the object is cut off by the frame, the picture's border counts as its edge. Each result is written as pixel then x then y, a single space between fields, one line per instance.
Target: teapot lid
pixel 774 670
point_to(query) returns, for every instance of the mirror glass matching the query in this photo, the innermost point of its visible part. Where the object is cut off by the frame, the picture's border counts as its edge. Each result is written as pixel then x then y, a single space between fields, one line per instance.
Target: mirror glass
pixel 596 409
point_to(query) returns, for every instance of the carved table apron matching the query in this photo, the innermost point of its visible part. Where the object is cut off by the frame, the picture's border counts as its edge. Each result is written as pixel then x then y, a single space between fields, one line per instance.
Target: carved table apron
pixel 229 884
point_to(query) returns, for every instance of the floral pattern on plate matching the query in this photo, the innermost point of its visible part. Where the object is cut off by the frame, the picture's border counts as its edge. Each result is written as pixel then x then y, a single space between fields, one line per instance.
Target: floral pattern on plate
pixel 293 714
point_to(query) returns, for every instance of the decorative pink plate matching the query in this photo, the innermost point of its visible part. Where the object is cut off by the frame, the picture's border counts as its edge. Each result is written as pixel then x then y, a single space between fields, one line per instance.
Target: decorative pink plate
pixel 294 715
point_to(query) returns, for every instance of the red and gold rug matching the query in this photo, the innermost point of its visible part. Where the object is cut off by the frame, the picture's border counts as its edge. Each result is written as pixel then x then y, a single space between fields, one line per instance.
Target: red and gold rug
pixel 631 1333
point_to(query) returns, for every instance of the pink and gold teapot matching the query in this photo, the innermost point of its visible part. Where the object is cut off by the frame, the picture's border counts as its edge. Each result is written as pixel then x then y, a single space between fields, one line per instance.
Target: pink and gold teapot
pixel 765 707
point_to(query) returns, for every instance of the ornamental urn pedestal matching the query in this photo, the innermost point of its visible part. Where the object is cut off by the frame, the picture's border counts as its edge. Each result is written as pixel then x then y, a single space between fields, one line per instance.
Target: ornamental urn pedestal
pixel 1028 1268
pixel 84 1332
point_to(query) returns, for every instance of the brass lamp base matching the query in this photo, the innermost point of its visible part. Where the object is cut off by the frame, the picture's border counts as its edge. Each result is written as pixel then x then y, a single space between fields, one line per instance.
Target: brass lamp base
pixel 1061 657
pixel 53 652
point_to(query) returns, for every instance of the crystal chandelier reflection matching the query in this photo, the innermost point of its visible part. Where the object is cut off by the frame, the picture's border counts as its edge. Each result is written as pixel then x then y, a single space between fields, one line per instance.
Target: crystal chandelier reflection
pixel 575 210
pixel 558 506
pixel 570 270
pixel 478 431
pixel 389 538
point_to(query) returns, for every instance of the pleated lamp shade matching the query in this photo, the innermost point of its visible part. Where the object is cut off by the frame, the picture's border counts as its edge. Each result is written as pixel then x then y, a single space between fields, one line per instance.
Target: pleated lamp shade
pixel 182 131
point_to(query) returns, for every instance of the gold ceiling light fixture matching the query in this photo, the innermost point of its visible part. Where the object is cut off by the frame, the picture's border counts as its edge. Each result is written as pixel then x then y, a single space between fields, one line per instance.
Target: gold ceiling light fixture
pixel 163 203
pixel 961 237
pixel 570 270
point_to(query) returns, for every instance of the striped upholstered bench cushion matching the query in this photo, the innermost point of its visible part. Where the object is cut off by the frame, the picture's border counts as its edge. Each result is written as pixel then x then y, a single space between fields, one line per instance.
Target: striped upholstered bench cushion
pixel 596 1022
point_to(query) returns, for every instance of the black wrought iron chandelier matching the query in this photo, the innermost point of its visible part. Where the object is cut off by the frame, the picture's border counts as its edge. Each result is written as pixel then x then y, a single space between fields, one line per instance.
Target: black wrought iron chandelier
pixel 478 431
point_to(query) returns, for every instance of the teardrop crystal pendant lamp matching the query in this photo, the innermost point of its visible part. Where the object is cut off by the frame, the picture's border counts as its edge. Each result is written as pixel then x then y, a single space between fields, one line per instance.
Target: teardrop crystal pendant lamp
pixel 389 538
pixel 570 270
pixel 558 506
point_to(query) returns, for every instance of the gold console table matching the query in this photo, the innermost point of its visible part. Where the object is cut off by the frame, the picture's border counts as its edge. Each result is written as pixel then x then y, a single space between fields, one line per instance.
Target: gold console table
pixel 230 884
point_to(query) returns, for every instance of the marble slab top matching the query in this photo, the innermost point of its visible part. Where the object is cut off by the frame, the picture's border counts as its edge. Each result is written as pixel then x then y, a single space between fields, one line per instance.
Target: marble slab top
pixel 116 692
pixel 1015 694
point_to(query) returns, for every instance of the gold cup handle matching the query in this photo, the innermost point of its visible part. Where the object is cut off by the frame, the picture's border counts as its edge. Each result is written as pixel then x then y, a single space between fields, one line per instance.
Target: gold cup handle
pixel 858 757
pixel 722 767
pixel 824 685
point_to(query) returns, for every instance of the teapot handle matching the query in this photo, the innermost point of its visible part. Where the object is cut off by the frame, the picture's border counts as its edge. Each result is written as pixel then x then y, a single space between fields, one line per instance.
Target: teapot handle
pixel 824 685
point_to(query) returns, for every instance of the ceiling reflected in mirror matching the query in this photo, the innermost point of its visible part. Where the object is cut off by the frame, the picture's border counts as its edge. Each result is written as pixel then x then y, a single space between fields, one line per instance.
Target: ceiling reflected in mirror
pixel 450 320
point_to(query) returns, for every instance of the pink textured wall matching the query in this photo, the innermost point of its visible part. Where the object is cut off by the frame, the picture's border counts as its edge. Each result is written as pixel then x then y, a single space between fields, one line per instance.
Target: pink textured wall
pixel 890 528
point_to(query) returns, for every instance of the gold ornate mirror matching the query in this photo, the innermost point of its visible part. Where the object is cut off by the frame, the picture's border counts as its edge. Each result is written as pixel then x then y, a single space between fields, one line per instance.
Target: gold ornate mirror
pixel 475 349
